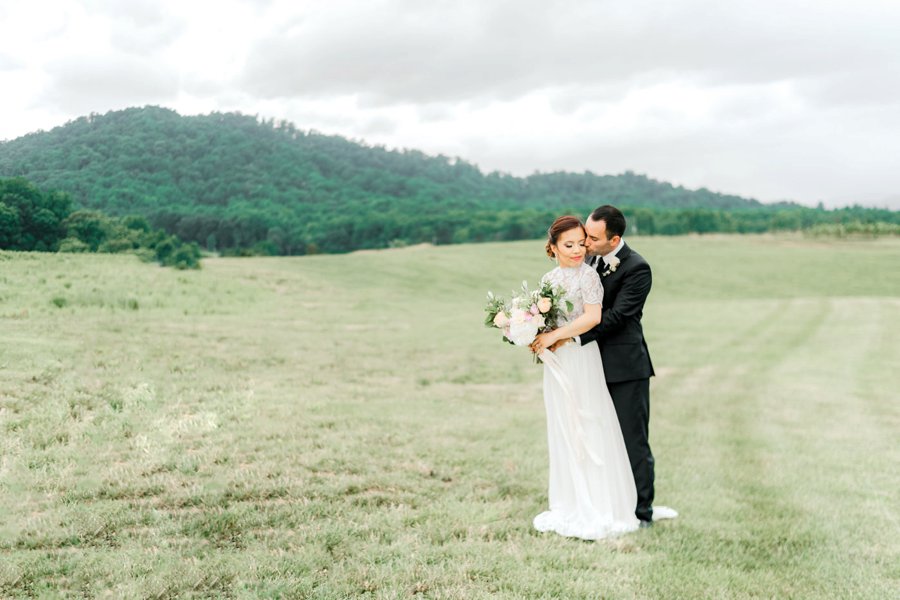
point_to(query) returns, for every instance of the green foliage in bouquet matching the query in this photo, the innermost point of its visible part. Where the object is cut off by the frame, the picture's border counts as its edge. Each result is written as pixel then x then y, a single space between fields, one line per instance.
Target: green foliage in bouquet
pixel 556 294
pixel 527 314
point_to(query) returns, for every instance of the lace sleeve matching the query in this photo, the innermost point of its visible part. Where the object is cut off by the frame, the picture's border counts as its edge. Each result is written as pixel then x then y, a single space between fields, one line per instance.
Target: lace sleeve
pixel 548 276
pixel 591 288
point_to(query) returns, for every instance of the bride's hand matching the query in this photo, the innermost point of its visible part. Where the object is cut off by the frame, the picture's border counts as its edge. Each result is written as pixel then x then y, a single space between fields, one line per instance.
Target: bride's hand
pixel 543 340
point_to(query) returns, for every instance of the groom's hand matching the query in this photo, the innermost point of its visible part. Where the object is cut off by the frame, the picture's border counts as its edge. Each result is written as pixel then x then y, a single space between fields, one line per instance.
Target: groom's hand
pixel 559 344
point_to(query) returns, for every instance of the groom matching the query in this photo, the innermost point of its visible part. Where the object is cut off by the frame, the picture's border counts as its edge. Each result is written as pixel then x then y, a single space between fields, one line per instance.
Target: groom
pixel 626 361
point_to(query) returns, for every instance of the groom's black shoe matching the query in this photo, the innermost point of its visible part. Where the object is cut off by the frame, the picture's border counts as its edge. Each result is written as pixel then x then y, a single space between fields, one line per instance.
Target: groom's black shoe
pixel 646 524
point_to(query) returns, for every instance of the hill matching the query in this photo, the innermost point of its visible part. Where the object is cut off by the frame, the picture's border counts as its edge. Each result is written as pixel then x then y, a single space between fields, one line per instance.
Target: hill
pixel 232 181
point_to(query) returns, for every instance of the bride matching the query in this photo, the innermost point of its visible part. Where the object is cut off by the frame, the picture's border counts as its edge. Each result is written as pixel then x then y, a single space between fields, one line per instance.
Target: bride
pixel 592 493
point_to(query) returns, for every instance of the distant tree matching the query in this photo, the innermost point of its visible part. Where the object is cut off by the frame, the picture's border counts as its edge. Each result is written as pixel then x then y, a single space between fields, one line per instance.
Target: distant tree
pixel 42 221
pixel 29 218
pixel 10 226
pixel 90 226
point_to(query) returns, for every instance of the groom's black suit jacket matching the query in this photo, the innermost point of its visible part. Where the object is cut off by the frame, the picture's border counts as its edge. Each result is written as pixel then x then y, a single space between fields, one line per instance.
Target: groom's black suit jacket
pixel 620 335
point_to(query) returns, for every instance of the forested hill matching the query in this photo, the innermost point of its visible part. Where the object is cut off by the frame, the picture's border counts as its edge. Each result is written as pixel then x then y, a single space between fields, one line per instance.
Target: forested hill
pixel 231 181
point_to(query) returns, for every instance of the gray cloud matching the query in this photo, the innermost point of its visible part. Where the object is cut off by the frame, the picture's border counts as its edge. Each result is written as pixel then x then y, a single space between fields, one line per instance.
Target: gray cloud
pixel 807 159
pixel 378 126
pixel 457 52
pixel 872 85
pixel 79 85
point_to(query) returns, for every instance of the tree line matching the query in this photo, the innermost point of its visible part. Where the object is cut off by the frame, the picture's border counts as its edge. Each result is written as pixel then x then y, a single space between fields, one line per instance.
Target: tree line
pixel 237 184
pixel 33 220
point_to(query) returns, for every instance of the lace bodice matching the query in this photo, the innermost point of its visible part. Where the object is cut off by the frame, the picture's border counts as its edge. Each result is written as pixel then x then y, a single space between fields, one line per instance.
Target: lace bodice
pixel 582 285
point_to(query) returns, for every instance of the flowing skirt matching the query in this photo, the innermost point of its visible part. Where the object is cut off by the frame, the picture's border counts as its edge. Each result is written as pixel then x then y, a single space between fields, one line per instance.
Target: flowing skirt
pixel 592 493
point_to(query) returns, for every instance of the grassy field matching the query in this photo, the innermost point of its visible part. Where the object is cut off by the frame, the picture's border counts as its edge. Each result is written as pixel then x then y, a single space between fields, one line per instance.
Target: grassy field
pixel 335 426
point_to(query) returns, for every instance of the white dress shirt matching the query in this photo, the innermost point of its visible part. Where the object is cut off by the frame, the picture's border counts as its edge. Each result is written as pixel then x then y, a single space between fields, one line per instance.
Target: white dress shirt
pixel 615 251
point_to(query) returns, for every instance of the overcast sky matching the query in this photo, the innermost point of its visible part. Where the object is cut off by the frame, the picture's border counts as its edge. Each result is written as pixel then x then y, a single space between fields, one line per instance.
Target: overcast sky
pixel 773 99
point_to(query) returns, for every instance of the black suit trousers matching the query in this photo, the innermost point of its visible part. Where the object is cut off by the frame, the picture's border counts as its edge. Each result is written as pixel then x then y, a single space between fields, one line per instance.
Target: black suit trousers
pixel 632 402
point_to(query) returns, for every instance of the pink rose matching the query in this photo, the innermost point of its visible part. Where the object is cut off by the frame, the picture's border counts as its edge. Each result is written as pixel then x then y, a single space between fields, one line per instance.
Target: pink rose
pixel 500 319
pixel 534 309
pixel 544 304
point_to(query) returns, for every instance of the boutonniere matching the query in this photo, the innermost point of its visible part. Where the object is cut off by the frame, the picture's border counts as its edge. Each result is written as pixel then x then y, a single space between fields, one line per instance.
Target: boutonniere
pixel 611 265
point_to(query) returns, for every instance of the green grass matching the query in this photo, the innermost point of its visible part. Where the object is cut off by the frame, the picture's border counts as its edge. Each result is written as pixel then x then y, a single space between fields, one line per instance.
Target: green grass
pixel 336 426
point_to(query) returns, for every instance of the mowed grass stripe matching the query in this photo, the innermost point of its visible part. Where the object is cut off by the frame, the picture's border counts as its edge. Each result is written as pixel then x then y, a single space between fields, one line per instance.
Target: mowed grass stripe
pixel 834 448
pixel 739 533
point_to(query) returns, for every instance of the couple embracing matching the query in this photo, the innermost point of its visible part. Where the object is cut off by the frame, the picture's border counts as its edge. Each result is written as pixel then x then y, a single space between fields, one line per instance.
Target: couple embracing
pixel 597 383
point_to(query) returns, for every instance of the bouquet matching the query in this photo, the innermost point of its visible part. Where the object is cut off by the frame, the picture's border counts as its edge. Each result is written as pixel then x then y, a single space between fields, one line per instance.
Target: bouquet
pixel 527 314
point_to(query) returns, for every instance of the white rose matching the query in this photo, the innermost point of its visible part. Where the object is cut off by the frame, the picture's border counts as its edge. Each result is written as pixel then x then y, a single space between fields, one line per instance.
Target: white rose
pixel 523 332
pixel 500 319
pixel 544 304
pixel 539 321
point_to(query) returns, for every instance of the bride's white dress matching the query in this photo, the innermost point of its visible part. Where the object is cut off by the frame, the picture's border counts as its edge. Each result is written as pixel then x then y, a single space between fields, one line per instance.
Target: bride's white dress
pixel 592 493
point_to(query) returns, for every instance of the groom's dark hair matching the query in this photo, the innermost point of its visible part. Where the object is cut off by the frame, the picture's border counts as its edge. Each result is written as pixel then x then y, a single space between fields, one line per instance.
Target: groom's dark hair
pixel 615 220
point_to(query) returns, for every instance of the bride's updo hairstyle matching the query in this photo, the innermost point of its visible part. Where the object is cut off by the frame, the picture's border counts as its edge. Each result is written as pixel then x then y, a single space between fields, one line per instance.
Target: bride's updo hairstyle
pixel 559 227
